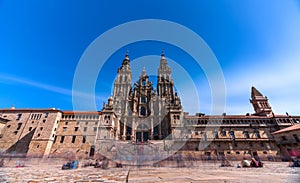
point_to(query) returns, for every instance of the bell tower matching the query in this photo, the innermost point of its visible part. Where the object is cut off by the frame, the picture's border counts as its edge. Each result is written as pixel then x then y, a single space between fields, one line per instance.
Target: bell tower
pixel 260 103
pixel 122 85
pixel 165 84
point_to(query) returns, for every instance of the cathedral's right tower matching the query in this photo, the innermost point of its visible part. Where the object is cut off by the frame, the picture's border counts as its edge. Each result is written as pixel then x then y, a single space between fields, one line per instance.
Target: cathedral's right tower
pixel 165 84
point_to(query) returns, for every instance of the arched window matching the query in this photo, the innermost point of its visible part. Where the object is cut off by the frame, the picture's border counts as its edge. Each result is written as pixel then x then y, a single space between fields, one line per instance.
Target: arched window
pixel 257 133
pixel 143 99
pixel 92 151
pixel 232 135
pixel 143 111
pixel 246 134
pixel 144 82
pixel 155 131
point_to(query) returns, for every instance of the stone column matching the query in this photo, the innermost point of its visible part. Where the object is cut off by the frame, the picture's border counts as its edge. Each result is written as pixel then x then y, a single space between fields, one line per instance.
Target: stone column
pixel 151 129
pixel 124 129
pixel 151 122
pixel 159 131
pixel 159 118
pixel 133 129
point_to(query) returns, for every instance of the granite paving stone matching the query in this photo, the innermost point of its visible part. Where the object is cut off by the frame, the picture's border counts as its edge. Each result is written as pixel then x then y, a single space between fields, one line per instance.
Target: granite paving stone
pixel 273 172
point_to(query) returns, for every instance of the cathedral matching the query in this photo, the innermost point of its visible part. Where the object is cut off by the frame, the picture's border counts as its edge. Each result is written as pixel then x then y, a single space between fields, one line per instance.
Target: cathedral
pixel 143 113
pixel 139 118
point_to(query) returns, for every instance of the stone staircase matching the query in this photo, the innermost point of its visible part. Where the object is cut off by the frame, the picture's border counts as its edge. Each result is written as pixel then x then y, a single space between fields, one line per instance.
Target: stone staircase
pixel 136 154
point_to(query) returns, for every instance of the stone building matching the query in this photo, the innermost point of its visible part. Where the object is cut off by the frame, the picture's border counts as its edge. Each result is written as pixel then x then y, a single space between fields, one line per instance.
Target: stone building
pixel 140 118
pixel 76 134
pixel 28 131
pixel 236 135
pixel 288 141
pixel 145 114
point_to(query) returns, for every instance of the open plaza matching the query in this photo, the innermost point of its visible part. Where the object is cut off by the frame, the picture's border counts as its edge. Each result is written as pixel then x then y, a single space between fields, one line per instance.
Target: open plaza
pixel 49 170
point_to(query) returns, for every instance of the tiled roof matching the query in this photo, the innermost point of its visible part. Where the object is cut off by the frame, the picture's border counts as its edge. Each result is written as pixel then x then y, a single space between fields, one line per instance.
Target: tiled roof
pixel 291 128
pixel 30 110
pixel 81 112
pixel 237 117
pixel 228 117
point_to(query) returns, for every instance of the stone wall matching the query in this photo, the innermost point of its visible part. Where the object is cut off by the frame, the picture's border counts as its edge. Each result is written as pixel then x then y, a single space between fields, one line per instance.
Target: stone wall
pixel 28 131
pixel 289 143
pixel 76 136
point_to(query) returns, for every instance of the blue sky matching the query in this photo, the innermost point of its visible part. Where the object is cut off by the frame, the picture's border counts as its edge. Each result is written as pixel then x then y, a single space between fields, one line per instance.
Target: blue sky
pixel 257 42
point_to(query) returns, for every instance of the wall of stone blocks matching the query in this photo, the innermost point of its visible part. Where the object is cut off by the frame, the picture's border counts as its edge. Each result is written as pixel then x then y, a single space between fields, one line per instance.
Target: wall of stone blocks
pixel 79 136
pixel 230 149
pixel 2 129
pixel 26 126
pixel 43 137
pixel 288 141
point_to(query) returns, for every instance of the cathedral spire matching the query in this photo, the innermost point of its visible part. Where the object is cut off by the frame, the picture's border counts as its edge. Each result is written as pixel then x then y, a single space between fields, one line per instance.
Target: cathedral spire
pixel 127 55
pixel 126 61
pixel 122 83
pixel 164 70
pixel 162 55
pixel 144 72
pixel 163 61
pixel 165 85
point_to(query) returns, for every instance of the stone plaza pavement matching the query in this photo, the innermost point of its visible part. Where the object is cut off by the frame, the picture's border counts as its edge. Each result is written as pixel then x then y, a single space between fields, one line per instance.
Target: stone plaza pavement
pixel 198 172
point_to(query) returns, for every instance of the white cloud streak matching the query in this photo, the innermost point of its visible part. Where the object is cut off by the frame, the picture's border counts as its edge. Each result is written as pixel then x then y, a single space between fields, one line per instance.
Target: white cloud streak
pixel 8 79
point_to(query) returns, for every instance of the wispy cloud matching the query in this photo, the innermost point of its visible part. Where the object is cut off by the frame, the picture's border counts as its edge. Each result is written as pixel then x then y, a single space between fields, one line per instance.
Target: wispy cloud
pixel 9 79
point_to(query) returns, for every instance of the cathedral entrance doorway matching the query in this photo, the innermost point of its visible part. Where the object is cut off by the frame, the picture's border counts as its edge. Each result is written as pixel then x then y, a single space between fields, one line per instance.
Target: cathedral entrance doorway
pixel 142 133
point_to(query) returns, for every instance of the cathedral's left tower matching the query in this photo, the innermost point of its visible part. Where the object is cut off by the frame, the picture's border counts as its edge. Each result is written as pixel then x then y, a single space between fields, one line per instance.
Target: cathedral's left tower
pixel 122 83
pixel 121 91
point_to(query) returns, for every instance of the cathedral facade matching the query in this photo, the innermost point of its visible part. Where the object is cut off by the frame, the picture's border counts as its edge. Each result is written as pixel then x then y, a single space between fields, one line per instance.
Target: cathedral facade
pixel 141 115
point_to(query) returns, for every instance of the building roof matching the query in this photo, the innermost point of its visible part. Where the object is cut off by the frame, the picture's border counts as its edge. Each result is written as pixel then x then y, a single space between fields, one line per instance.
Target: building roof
pixel 238 116
pixel 255 92
pixel 81 112
pixel 291 128
pixel 8 110
pixel 227 117
pixel 13 109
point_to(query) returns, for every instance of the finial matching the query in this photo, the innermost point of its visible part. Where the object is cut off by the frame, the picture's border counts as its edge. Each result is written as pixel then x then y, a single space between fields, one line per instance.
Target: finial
pixel 144 71
pixel 127 55
pixel 163 55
